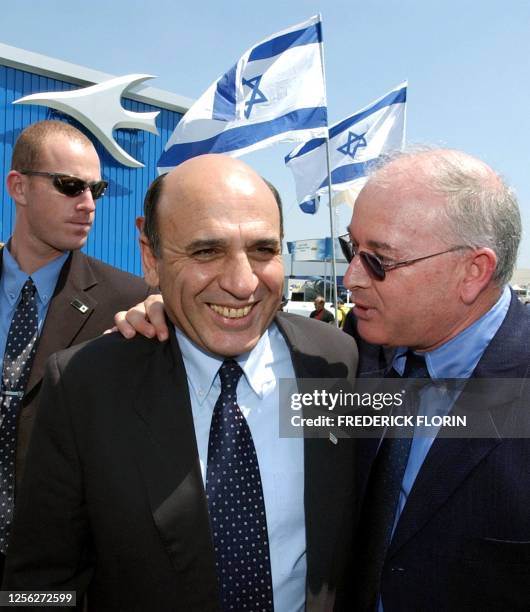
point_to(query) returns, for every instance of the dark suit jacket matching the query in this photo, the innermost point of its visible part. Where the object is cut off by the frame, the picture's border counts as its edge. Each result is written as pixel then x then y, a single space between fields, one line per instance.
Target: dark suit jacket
pixel 104 290
pixel 113 499
pixel 463 540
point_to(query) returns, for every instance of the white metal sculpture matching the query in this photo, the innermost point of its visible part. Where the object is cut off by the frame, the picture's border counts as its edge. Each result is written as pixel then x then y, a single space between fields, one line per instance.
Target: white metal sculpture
pixel 99 109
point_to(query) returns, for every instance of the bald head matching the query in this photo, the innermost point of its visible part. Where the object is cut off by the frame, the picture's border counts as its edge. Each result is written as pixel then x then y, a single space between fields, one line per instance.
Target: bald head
pixel 466 200
pixel 198 178
pixel 442 171
pixel 218 257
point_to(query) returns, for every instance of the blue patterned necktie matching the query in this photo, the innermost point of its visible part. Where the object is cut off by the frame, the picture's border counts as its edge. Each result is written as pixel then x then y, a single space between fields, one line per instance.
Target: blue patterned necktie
pixel 18 356
pixel 382 497
pixel 236 505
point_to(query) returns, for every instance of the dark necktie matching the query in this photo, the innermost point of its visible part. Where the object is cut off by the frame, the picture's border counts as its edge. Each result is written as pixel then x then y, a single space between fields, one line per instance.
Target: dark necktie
pixel 18 356
pixel 381 499
pixel 236 505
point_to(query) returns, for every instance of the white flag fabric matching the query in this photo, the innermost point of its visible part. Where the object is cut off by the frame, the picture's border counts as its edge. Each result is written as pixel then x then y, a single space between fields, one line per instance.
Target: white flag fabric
pixel 274 93
pixel 355 144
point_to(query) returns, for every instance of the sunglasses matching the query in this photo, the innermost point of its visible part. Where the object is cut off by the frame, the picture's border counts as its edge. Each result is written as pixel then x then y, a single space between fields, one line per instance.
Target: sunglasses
pixel 71 186
pixel 374 266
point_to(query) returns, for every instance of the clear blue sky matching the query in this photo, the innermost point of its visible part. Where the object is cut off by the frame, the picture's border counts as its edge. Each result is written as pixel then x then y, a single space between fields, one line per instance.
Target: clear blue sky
pixel 467 63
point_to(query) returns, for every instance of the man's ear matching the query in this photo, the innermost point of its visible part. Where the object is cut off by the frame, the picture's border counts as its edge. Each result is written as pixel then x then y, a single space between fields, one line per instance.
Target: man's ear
pixel 479 269
pixel 149 263
pixel 16 187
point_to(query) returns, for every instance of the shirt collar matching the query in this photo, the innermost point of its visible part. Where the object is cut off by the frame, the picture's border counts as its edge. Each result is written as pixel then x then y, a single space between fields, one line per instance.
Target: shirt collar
pixel 257 364
pixel 45 278
pixel 202 367
pixel 458 357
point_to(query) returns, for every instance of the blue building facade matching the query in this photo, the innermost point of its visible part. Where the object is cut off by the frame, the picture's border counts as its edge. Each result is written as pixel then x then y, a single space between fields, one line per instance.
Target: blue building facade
pixel 113 238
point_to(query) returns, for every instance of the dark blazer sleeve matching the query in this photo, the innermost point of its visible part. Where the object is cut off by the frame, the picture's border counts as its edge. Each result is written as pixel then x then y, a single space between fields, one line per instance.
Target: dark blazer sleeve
pixel 51 537
pixel 112 503
pixel 88 294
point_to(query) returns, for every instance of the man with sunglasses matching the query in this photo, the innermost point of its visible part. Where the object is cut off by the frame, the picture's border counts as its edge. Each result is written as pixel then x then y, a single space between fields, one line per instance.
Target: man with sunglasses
pixel 444 524
pixel 63 296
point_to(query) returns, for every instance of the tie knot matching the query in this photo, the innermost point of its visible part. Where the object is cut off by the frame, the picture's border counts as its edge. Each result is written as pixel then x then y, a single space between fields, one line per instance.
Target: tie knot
pixel 415 367
pixel 28 290
pixel 229 374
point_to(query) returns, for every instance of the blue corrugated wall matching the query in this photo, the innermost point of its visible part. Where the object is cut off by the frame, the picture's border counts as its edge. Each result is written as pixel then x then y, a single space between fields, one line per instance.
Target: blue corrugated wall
pixel 114 236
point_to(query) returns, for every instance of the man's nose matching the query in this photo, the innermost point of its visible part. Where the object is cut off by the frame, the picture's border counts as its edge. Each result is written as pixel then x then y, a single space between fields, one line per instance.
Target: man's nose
pixel 85 201
pixel 238 276
pixel 356 275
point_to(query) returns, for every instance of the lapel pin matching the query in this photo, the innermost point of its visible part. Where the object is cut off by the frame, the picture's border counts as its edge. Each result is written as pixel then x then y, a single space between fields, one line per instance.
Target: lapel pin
pixel 78 305
pixel 333 438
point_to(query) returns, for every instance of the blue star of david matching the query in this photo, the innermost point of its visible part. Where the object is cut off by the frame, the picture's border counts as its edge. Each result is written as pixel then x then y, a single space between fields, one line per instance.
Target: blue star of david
pixel 355 141
pixel 257 95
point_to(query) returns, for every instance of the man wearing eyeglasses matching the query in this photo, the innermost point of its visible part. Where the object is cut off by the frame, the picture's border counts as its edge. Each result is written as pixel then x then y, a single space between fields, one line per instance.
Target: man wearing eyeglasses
pixel 444 524
pixel 51 295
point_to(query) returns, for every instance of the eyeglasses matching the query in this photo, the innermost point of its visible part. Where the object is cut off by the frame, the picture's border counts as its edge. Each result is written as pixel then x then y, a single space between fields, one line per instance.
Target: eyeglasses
pixel 71 186
pixel 374 265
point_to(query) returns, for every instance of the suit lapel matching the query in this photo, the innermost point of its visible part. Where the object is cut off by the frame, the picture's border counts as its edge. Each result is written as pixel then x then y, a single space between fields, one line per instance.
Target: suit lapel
pixel 168 460
pixel 450 460
pixel 303 367
pixel 64 321
pixel 448 463
pixel 328 486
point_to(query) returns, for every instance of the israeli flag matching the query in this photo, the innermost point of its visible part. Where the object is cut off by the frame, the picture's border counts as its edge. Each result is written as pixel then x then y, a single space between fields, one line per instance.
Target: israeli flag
pixel 275 92
pixel 355 144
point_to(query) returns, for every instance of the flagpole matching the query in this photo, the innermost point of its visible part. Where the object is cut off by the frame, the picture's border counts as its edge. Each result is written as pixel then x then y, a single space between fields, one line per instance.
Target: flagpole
pixel 332 231
pixel 331 221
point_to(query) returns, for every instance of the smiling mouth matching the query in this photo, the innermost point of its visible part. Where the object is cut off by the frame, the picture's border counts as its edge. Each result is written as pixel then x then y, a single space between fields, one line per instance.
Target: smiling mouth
pixel 231 313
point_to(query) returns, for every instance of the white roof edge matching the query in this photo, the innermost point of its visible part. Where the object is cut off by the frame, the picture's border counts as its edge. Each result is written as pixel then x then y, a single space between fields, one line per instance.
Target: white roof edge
pixel 81 75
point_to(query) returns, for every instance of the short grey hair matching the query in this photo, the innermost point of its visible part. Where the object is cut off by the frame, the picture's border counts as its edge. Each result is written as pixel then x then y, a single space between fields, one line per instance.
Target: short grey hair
pixel 480 211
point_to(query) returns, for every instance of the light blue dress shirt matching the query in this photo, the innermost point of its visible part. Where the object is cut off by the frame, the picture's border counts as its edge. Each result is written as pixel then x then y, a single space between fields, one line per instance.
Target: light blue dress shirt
pixel 281 460
pixel 457 358
pixel 11 282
